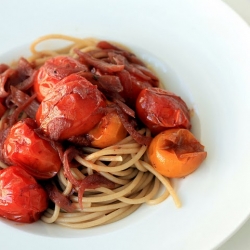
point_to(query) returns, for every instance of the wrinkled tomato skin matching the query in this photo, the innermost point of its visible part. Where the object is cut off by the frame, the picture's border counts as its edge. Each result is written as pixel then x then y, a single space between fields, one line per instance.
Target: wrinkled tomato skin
pixel 22 199
pixel 159 109
pixel 23 147
pixel 137 86
pixel 72 108
pixel 47 76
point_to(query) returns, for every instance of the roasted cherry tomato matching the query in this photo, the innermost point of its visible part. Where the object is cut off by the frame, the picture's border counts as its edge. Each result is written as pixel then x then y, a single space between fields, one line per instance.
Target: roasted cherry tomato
pixel 73 107
pixel 159 109
pixel 176 153
pixel 23 147
pixel 108 131
pixel 132 86
pixel 54 70
pixel 22 199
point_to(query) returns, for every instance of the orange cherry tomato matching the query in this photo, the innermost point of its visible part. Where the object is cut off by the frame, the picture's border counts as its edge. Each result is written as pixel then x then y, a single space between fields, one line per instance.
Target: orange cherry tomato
pixel 54 70
pixel 22 199
pixel 108 131
pixel 159 109
pixel 71 108
pixel 176 153
pixel 24 148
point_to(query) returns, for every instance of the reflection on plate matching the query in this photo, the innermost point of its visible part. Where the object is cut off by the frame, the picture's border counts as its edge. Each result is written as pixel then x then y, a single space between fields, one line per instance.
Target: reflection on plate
pixel 201 51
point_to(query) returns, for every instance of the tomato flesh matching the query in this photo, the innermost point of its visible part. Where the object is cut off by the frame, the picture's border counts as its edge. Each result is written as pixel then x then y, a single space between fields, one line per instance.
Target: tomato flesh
pixel 159 109
pixel 22 199
pixel 23 147
pixel 71 108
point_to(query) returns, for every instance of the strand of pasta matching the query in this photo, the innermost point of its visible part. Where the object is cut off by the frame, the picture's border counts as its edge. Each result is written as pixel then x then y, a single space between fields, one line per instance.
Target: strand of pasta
pixel 91 150
pixel 99 221
pixel 80 218
pixel 83 42
pixel 125 213
pixel 111 169
pixel 39 57
pixel 164 181
pixel 106 209
pixel 111 158
pixel 143 197
pixel 110 151
pixel 124 173
pixel 117 195
pixel 50 218
pixel 114 179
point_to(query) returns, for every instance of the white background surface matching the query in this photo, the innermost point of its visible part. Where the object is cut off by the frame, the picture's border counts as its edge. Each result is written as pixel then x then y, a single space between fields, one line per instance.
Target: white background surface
pixel 241 240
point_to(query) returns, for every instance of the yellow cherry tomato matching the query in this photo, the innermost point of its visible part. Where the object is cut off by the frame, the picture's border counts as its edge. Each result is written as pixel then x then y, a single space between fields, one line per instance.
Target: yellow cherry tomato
pixel 108 131
pixel 176 153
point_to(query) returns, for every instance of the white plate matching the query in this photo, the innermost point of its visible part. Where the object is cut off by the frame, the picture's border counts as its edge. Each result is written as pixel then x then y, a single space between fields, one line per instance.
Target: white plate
pixel 201 50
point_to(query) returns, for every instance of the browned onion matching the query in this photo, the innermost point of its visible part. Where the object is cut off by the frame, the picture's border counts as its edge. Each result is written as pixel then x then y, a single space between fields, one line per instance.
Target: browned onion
pixel 18 97
pixel 58 198
pixel 102 65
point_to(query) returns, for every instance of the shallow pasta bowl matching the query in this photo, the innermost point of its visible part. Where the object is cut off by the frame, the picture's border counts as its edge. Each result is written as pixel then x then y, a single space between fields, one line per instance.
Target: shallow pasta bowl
pixel 201 51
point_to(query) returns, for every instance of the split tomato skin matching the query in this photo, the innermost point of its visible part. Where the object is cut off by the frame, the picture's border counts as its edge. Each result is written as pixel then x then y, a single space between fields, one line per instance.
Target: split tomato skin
pixel 176 153
pixel 22 199
pixel 54 70
pixel 24 148
pixel 73 107
pixel 159 109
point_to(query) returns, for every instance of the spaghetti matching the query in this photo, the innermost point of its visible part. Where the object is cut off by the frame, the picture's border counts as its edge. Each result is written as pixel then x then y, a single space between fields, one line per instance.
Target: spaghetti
pixel 125 164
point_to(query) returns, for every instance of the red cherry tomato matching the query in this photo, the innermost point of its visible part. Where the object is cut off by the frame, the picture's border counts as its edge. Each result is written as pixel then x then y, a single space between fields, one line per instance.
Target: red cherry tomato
pixel 54 70
pixel 22 199
pixel 71 108
pixel 23 147
pixel 159 109
pixel 132 86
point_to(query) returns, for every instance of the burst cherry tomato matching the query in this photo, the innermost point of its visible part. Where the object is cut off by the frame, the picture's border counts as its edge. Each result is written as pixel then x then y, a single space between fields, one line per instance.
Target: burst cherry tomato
pixel 22 199
pixel 159 109
pixel 23 147
pixel 176 153
pixel 54 70
pixel 71 108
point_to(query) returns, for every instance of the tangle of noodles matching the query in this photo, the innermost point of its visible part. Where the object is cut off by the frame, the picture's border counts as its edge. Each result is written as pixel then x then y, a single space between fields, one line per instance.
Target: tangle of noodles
pixel 125 164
